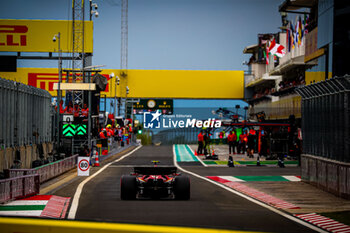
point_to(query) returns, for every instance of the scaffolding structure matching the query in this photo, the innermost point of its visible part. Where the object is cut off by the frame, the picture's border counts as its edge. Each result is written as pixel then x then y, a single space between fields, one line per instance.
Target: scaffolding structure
pixel 78 55
pixel 124 50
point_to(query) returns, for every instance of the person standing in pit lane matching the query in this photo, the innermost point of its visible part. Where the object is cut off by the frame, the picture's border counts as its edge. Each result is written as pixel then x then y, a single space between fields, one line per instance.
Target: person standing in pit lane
pixel 251 144
pixel 241 143
pixel 200 143
pixel 85 111
pixel 231 140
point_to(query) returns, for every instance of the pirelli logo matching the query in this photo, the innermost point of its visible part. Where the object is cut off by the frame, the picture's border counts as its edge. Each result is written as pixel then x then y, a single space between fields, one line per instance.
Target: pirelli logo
pixel 43 80
pixel 13 35
pixel 46 80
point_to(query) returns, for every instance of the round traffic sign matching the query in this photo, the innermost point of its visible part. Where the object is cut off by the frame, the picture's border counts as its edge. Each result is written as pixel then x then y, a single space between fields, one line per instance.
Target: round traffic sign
pixel 83 165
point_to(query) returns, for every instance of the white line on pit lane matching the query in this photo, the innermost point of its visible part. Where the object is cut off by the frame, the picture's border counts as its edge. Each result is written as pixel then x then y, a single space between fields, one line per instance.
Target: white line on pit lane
pixel 123 165
pixel 75 202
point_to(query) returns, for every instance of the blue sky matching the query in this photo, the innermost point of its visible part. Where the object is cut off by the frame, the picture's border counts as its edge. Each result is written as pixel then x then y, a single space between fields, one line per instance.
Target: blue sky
pixel 165 34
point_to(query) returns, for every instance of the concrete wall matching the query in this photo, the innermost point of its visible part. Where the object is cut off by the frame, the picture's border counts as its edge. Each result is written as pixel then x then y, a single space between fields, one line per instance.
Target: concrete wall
pixel 329 175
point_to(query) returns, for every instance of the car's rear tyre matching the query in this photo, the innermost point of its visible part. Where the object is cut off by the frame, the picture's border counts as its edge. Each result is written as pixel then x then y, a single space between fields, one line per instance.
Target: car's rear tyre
pixel 182 189
pixel 128 188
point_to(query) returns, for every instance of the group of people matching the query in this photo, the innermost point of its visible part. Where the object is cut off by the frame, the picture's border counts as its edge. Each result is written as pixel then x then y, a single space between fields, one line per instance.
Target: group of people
pixel 246 142
pixel 203 142
pixel 75 110
pixel 121 134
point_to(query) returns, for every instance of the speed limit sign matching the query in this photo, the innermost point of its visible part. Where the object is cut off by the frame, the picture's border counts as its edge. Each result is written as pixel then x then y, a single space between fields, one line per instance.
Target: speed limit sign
pixel 83 166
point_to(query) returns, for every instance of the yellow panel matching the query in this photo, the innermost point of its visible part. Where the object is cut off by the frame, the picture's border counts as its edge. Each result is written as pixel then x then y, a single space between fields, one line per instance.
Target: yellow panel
pixel 316 76
pixel 186 84
pixel 9 225
pixel 281 109
pixel 43 78
pixel 149 83
pixel 37 35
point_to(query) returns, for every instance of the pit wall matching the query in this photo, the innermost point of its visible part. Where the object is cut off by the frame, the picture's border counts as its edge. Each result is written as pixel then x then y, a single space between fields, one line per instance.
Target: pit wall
pixel 27 155
pixel 329 175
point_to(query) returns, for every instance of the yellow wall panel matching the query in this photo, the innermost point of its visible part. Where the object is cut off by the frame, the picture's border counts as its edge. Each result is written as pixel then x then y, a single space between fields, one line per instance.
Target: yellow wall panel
pixel 315 76
pixel 17 35
pixel 191 84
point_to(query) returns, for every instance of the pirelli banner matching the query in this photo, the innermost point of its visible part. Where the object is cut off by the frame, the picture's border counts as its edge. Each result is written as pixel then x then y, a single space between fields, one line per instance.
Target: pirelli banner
pixel 36 35
pixel 178 84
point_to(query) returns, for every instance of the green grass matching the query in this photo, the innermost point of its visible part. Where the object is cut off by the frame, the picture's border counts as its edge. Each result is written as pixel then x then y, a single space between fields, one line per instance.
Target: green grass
pixel 342 217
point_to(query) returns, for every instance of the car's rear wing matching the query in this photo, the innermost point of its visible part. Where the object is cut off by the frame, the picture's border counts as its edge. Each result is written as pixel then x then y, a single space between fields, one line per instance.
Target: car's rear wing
pixel 155 170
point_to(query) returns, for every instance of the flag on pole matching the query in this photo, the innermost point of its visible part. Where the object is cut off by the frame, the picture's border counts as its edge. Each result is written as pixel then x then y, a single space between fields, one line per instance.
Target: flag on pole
pixel 266 54
pixel 276 49
pixel 306 21
pixel 288 37
pixel 296 31
pixel 300 35
pixel 292 35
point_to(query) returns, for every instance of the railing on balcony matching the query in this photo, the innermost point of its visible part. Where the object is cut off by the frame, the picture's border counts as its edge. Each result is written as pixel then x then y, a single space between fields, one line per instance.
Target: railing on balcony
pixel 255 72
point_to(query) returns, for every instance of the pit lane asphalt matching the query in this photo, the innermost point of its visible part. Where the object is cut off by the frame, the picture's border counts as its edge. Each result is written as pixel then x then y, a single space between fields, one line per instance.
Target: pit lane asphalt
pixel 210 206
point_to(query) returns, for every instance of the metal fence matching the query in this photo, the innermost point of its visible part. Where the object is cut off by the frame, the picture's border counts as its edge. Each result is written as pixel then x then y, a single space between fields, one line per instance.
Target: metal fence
pixel 24 114
pixel 326 118
pixel 47 171
pixel 176 136
pixel 19 187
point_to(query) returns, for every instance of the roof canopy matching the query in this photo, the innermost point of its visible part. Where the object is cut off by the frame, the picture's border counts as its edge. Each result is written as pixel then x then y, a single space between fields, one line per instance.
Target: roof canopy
pixel 292 5
pixel 251 48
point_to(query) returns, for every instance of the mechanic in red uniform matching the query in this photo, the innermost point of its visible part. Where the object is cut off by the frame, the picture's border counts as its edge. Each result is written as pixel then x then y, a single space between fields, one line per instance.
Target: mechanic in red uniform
pixel 200 143
pixel 85 111
pixel 69 108
pixel 110 131
pixel 61 109
pixel 231 139
pixel 103 134
pixel 76 110
pixel 242 143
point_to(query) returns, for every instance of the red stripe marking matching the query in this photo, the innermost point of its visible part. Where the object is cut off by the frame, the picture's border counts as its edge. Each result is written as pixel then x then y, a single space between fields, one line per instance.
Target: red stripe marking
pixel 324 222
pixel 302 215
pixel 266 198
pixel 218 179
pixel 329 224
pixel 314 218
pixel 342 230
pixel 38 198
pixel 336 227
pixel 55 207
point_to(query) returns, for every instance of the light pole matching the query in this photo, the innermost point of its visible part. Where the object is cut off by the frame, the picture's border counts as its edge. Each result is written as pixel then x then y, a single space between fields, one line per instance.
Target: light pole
pixel 237 107
pixel 236 118
pixel 245 113
pixel 116 83
pixel 91 11
pixel 55 37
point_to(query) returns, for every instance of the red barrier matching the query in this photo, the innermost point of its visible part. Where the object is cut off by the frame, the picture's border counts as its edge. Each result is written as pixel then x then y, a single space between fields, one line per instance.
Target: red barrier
pixel 19 187
pixel 47 171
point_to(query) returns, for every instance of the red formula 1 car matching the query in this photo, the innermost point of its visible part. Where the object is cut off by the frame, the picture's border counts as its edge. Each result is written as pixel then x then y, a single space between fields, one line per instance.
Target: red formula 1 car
pixel 155 182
